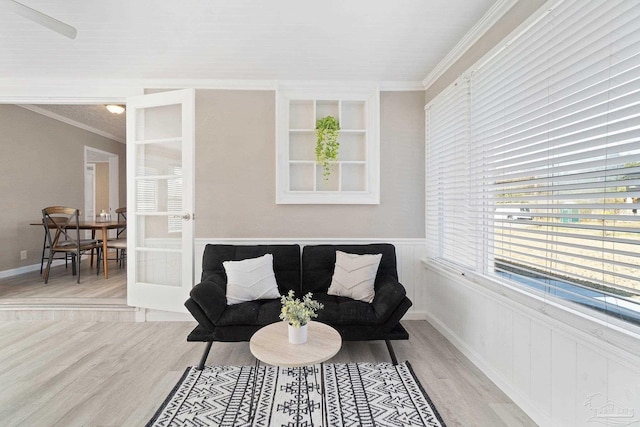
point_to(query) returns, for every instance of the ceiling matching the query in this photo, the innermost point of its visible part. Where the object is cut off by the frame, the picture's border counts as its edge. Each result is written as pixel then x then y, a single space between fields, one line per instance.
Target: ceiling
pixel 370 40
pixel 278 40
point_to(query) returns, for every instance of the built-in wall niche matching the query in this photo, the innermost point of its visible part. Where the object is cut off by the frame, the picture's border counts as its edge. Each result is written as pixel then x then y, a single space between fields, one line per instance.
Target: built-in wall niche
pixel 355 175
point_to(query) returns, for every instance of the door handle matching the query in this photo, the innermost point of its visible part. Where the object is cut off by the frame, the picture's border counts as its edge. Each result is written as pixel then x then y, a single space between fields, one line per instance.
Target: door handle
pixel 186 217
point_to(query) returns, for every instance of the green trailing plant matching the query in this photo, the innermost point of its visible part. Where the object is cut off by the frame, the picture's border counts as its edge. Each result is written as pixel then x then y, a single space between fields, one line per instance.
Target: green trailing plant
pixel 297 312
pixel 327 145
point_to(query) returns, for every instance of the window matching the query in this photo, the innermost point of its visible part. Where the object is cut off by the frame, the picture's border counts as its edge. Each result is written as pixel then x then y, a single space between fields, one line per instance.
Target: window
pixel 550 196
pixel 448 212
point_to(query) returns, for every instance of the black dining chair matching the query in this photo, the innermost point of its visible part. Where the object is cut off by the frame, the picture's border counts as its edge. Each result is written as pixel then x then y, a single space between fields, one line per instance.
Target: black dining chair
pixel 64 225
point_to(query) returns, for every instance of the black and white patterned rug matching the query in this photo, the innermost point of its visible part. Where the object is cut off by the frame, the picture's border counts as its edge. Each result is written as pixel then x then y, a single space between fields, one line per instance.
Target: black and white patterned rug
pixel 353 394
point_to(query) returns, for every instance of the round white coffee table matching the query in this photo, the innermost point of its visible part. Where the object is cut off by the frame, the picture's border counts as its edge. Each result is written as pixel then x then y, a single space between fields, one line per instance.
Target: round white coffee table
pixel 271 345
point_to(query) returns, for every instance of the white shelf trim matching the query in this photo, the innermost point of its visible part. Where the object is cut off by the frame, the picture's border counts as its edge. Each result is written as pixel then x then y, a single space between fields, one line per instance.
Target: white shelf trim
pixel 361 105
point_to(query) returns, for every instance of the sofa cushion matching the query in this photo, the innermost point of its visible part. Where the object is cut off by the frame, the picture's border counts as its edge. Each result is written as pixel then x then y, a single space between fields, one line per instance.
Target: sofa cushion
pixel 345 311
pixel 286 262
pixel 318 263
pixel 250 279
pixel 354 276
pixel 259 312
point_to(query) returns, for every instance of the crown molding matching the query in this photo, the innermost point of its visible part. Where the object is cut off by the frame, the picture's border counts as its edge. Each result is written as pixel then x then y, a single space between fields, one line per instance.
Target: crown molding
pixel 68 121
pixel 383 86
pixel 276 84
pixel 482 26
pixel 400 86
pixel 206 84
pixel 94 91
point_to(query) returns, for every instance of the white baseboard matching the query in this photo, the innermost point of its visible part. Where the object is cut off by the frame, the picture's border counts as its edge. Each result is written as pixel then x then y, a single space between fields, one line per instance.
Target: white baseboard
pixel 26 269
pixel 416 315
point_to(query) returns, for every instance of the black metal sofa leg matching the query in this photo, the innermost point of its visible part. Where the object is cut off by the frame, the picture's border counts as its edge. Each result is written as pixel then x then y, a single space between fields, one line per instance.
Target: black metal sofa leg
pixel 204 356
pixel 391 352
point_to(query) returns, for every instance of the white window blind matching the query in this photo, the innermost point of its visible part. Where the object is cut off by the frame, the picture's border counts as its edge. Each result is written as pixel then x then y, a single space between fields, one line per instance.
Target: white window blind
pixel 147 191
pixel 448 213
pixel 554 145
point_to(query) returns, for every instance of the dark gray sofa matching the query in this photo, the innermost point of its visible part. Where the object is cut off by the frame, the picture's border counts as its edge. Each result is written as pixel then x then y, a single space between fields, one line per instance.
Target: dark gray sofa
pixel 311 272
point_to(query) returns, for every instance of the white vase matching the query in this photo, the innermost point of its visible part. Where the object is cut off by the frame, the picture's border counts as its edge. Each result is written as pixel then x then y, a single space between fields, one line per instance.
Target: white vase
pixel 297 335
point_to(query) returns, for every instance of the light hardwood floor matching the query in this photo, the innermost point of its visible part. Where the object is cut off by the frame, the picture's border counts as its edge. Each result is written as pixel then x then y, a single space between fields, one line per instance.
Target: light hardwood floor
pixel 30 287
pixel 87 373
pixel 27 297
pixel 118 374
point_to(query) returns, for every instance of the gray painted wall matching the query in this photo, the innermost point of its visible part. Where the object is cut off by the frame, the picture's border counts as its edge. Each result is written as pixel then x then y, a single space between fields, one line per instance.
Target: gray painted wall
pixel 235 173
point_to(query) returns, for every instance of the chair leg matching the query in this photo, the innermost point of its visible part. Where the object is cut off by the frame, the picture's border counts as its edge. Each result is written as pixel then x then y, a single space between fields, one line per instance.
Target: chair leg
pixel 79 266
pixel 73 263
pixel 391 352
pixel 204 356
pixel 44 246
pixel 48 269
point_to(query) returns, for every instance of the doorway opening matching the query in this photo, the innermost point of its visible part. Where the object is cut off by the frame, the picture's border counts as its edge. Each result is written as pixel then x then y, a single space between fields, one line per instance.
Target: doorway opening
pixel 23 285
pixel 101 183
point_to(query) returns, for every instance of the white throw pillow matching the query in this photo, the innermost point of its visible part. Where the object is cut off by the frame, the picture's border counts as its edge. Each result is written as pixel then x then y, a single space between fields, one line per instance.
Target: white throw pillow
pixel 354 276
pixel 250 279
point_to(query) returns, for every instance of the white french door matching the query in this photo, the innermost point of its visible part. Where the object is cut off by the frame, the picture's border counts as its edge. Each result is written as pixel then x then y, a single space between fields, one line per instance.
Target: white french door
pixel 160 203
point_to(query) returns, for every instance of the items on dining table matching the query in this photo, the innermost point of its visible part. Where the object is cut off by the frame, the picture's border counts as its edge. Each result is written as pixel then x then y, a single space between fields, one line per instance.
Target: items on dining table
pixel 104 216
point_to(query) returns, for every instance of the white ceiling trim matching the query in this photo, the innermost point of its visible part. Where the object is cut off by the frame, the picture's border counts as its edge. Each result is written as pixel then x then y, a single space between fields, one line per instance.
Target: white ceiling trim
pixel 548 7
pixel 27 99
pixel 67 91
pixel 482 26
pixel 400 86
pixel 68 121
pixel 207 84
pixel 270 84
pixel 51 91
pixel 327 85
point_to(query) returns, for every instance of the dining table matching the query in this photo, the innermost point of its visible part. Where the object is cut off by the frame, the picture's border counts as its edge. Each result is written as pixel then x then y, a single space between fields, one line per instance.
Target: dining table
pixel 104 227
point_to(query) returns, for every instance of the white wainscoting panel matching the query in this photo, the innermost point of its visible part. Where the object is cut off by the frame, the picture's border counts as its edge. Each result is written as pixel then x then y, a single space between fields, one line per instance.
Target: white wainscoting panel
pixel 560 374
pixel 563 398
pixel 409 253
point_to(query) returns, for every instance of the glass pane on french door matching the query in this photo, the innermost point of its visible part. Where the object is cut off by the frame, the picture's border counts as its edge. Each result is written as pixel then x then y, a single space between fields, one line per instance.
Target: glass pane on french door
pixel 159 212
